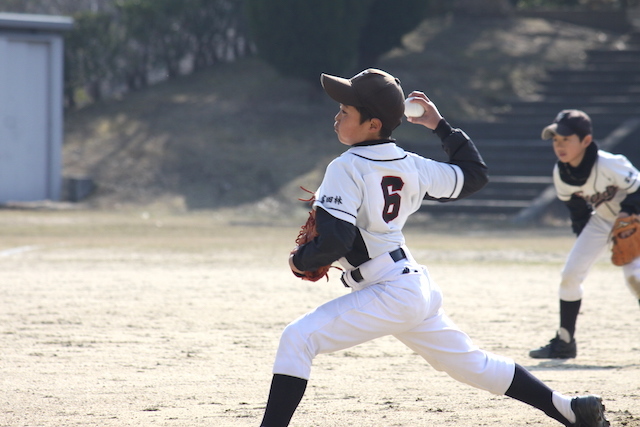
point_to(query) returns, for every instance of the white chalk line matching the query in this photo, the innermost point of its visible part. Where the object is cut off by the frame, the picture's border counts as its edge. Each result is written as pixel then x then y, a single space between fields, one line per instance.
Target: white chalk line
pixel 17 250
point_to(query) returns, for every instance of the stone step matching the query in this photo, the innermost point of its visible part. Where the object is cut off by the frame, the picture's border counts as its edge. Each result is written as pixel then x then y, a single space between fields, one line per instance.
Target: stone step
pixel 516 164
pixel 522 144
pixel 476 207
pixel 434 151
pixel 520 163
pixel 552 107
pixel 539 119
pixel 524 129
pixel 504 191
pixel 601 89
pixel 514 184
pixel 611 66
pixel 633 39
pixel 613 56
pixel 594 85
pixel 599 119
pixel 506 158
pixel 592 75
pixel 586 99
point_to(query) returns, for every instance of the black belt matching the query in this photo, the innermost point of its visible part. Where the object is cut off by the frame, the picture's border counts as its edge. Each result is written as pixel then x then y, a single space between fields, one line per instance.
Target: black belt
pixel 395 255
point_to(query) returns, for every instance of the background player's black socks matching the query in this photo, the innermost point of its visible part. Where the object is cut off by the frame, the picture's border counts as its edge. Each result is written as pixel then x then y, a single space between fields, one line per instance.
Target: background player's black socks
pixel 569 315
pixel 530 390
pixel 285 395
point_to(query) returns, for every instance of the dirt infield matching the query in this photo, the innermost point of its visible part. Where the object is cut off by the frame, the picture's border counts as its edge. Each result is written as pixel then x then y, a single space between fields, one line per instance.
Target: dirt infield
pixel 139 319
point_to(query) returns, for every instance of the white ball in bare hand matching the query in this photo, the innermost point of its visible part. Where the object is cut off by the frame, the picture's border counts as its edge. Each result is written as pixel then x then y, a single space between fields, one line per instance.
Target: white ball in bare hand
pixel 412 109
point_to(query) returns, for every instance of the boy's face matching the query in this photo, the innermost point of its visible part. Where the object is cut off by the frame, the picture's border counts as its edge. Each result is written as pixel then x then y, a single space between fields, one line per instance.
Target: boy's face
pixel 349 129
pixel 570 149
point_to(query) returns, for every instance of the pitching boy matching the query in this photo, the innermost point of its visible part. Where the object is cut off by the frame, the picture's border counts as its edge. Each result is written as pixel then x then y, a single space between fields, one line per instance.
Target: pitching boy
pixel 597 187
pixel 364 200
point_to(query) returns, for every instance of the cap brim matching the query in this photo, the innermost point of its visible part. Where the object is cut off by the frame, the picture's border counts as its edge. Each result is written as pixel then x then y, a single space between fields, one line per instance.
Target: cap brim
pixel 339 89
pixel 556 129
pixel 549 131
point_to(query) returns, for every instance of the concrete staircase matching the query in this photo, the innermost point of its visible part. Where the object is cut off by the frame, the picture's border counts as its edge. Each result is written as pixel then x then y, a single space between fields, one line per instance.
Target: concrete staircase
pixel 607 88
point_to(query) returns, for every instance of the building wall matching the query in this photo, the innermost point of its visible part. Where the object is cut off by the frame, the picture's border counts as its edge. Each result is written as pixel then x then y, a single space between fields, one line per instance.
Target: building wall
pixel 31 115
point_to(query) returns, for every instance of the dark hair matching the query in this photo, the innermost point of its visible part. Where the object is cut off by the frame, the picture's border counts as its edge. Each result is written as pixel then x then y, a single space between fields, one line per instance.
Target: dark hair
pixel 582 135
pixel 366 115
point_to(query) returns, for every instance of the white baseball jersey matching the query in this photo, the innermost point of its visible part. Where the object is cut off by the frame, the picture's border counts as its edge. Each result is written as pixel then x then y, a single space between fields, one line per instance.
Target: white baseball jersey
pixel 611 179
pixel 377 187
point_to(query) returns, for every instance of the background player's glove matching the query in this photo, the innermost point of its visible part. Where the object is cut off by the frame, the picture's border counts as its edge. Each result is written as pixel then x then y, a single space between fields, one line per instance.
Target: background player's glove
pixel 625 236
pixel 307 233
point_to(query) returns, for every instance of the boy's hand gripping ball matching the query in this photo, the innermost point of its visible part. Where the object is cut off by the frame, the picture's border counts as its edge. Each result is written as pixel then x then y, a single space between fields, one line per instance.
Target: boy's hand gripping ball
pixel 412 109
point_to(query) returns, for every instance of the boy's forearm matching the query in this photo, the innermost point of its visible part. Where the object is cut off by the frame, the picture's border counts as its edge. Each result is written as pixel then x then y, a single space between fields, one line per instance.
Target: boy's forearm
pixel 334 241
pixel 463 153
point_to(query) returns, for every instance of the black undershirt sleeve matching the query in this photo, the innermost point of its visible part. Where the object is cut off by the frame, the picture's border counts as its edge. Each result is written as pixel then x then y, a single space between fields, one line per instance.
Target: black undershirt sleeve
pixel 335 240
pixel 631 203
pixel 463 153
pixel 579 212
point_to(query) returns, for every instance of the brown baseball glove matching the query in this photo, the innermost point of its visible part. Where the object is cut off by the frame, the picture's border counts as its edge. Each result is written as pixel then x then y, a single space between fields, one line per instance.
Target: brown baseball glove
pixel 307 233
pixel 625 237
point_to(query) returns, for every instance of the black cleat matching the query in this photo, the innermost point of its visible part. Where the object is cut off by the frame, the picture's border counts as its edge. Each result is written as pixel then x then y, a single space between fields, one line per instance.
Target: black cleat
pixel 556 349
pixel 589 412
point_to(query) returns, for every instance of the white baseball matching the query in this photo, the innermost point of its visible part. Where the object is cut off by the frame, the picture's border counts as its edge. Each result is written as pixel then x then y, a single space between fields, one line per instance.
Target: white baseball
pixel 412 109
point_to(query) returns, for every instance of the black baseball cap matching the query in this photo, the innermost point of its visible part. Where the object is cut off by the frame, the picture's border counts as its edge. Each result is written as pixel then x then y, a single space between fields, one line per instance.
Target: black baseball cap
pixel 375 90
pixel 569 122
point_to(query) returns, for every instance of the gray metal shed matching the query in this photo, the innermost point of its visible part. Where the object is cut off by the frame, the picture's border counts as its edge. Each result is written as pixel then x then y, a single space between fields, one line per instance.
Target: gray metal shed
pixel 31 106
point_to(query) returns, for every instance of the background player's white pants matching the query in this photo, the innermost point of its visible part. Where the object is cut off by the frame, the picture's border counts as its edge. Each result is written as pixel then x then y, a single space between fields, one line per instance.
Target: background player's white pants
pixel 407 306
pixel 588 247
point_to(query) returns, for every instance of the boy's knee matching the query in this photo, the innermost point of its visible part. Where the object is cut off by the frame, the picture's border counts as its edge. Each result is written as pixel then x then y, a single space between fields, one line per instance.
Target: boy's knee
pixel 571 289
pixel 294 355
pixel 292 336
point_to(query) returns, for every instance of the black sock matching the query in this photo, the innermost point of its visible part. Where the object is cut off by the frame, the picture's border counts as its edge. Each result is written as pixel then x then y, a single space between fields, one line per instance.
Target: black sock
pixel 569 315
pixel 285 395
pixel 530 390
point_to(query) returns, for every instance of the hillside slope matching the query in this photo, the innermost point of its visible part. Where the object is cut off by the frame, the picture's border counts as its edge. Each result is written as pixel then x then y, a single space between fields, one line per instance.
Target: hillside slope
pixel 240 134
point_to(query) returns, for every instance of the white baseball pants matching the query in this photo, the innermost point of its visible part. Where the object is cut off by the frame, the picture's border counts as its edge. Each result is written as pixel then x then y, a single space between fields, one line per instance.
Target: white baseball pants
pixel 407 306
pixel 586 250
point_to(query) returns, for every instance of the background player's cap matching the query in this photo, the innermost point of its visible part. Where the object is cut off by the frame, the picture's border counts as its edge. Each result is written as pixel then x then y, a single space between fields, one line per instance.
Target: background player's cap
pixel 569 122
pixel 374 90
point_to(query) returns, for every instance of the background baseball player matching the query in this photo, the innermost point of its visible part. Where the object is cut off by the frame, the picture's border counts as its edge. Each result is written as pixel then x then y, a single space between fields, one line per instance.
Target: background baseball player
pixel 361 206
pixel 597 187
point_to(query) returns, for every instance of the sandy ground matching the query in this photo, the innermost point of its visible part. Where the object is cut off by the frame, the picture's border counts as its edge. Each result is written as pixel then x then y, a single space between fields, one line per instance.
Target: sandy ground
pixel 138 319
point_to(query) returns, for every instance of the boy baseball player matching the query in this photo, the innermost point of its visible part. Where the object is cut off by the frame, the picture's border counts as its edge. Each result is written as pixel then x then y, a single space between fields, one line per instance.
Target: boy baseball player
pixel 361 206
pixel 597 187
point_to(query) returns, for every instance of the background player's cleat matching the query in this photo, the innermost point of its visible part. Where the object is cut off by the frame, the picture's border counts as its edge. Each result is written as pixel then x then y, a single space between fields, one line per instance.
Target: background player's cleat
pixel 556 349
pixel 589 412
